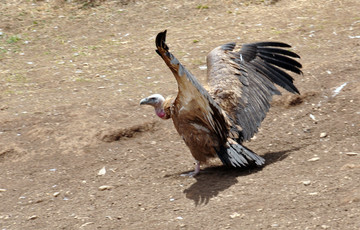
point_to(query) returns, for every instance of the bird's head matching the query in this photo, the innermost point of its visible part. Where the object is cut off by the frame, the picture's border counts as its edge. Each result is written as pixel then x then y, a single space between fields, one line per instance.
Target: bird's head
pixel 157 101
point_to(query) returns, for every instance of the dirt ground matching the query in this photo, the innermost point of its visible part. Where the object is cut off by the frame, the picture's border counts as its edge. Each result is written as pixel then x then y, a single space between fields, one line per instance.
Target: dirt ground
pixel 71 77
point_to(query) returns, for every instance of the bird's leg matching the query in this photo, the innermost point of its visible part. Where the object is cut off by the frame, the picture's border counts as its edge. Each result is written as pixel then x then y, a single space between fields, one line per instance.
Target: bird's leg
pixel 195 172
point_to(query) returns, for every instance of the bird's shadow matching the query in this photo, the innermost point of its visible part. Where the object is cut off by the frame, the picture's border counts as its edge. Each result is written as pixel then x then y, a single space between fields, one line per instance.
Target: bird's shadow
pixel 213 180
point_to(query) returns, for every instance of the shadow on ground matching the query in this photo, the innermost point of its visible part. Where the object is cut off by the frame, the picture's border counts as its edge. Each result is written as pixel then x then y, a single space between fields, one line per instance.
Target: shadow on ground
pixel 212 180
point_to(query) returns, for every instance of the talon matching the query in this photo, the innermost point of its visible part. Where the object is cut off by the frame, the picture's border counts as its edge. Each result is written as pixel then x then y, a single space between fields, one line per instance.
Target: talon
pixel 195 172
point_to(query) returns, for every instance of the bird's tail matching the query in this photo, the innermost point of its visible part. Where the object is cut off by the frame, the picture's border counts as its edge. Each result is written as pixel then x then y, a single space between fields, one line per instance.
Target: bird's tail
pixel 236 155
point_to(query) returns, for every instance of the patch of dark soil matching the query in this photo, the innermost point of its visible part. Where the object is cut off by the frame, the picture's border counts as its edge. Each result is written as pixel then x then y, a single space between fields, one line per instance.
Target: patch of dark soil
pixel 11 154
pixel 117 134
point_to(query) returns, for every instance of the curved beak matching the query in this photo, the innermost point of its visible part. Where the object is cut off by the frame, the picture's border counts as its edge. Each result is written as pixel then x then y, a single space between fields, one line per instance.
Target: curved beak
pixel 144 101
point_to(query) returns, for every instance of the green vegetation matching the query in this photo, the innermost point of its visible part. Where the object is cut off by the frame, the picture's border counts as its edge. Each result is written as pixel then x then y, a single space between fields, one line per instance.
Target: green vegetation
pixel 201 7
pixel 13 39
pixel 16 78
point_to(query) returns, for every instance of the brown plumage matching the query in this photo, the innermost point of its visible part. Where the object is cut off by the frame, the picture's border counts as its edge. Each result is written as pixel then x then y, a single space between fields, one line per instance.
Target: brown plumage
pixel 241 85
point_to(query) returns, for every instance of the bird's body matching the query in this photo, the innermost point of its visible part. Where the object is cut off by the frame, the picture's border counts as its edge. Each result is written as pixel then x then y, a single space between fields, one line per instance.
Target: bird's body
pixel 215 122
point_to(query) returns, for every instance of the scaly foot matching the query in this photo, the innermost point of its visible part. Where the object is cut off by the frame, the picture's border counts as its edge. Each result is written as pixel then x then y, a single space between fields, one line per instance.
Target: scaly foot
pixel 195 172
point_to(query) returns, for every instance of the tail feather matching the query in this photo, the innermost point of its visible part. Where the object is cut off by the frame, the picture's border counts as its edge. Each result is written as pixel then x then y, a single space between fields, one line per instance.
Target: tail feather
pixel 237 155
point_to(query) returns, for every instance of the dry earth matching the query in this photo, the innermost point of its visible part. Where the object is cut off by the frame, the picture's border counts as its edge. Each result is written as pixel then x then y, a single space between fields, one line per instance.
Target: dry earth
pixel 71 77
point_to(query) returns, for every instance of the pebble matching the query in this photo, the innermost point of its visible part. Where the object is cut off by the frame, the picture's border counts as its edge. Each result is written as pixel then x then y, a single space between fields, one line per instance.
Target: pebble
pixel 56 194
pixel 2 190
pixel 33 217
pixel 322 135
pixel 352 154
pixel 312 117
pixel 102 171
pixel 306 182
pixel 235 214
pixel 105 187
pixel 314 159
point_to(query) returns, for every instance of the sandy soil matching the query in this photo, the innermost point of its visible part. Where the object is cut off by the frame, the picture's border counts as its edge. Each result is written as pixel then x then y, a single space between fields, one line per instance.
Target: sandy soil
pixel 71 78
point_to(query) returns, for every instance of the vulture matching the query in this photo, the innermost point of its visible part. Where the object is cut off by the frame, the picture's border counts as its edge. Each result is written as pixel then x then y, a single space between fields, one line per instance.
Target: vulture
pixel 216 120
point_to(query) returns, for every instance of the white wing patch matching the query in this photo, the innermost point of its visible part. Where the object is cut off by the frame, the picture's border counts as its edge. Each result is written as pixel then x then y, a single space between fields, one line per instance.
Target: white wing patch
pixel 200 127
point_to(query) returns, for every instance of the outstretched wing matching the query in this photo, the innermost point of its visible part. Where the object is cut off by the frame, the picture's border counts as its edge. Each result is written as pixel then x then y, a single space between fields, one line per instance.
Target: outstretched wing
pixel 194 99
pixel 242 82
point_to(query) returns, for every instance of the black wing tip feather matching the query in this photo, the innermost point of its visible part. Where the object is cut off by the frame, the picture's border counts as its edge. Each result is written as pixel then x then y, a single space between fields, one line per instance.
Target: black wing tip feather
pixel 228 46
pixel 237 156
pixel 274 59
pixel 273 44
pixel 160 42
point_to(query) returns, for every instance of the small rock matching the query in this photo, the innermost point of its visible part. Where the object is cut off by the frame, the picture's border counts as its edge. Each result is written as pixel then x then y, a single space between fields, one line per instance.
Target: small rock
pixel 235 214
pixel 314 159
pixel 313 193
pixel 275 225
pixel 2 190
pixel 105 187
pixel 179 218
pixel 352 154
pixel 203 67
pixel 306 182
pixel 322 135
pixel 102 171
pixel 86 224
pixel 33 217
pixel 56 194
pixel 312 117
pixel 325 226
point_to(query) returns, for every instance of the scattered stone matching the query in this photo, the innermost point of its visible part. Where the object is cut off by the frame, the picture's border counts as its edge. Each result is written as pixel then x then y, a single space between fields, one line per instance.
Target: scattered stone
pixel 2 190
pixel 56 194
pixel 312 117
pixel 105 187
pixel 314 159
pixel 313 193
pixel 203 67
pixel 235 214
pixel 275 225
pixel 352 154
pixel 306 182
pixel 323 135
pixel 179 218
pixel 86 224
pixel 325 226
pixel 102 171
pixel 33 217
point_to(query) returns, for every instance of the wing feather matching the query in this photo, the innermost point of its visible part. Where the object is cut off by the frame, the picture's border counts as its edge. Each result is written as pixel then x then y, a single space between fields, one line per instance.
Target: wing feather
pixel 243 82
pixel 190 91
